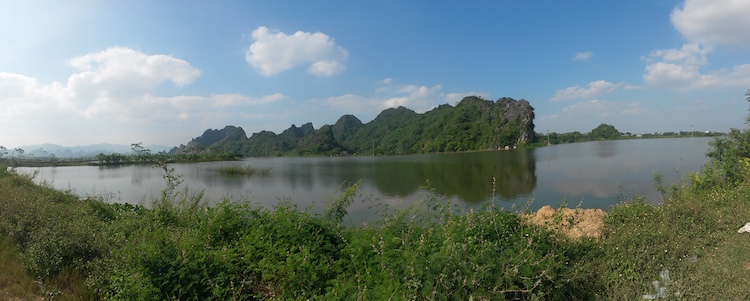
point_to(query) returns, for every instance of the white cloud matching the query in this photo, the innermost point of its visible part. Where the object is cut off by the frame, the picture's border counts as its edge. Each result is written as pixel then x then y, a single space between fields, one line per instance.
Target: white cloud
pixel 714 22
pixel 110 87
pixel 392 95
pixel 13 85
pixel 454 98
pixel 582 56
pixel 632 87
pixel 600 109
pixel 594 89
pixel 351 103
pixel 326 68
pixel 680 69
pixel 706 24
pixel 124 70
pixel 237 99
pixel 273 52
pixel 585 115
pixel 417 98
pixel 633 108
pixel 420 98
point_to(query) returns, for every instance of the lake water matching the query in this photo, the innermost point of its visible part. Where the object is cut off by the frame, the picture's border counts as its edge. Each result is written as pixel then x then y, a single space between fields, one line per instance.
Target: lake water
pixel 591 174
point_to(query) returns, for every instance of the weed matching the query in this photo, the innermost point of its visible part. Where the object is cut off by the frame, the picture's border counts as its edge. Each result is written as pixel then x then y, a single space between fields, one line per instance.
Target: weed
pixel 236 170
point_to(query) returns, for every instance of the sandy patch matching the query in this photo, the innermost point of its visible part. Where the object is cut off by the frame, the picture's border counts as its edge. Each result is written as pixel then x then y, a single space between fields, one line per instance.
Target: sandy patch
pixel 573 223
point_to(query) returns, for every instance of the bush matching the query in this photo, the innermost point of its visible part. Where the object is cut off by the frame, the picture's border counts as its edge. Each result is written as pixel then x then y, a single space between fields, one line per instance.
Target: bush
pixel 431 252
pixel 182 249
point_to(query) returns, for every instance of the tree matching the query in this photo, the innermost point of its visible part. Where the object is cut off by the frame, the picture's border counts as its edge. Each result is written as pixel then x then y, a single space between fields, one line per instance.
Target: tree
pixel 729 155
pixel 141 154
pixel 605 132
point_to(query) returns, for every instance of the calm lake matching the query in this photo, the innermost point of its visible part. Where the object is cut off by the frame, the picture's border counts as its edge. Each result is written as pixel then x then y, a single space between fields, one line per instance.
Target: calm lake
pixel 590 174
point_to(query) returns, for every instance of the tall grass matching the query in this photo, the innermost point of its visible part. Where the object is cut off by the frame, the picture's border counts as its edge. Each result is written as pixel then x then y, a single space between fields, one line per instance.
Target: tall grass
pixel 236 170
pixel 56 235
pixel 15 282
pixel 432 250
pixel 182 249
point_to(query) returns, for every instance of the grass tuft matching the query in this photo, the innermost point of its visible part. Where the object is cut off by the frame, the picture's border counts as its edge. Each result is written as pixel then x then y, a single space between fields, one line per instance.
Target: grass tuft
pixel 236 170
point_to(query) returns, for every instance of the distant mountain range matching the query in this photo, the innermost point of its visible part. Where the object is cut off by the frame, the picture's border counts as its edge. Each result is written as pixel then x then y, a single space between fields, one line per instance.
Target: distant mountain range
pixel 44 150
pixel 473 124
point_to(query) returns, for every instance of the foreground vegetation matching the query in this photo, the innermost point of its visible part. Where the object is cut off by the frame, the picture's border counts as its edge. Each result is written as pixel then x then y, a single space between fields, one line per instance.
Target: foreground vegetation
pixel 182 249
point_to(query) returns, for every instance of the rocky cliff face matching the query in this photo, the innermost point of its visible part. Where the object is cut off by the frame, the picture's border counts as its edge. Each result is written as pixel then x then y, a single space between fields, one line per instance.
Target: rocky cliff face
pixel 208 138
pixel 522 112
pixel 511 121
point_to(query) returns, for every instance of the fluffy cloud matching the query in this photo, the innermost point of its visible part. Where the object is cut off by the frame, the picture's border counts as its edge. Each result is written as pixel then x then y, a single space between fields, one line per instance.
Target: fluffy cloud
pixel 633 108
pixel 417 98
pixel 114 85
pixel 594 89
pixel 122 71
pixel 680 69
pixel 603 109
pixel 600 108
pixel 706 24
pixel 237 99
pixel 582 56
pixel 714 22
pixel 392 95
pixel 273 52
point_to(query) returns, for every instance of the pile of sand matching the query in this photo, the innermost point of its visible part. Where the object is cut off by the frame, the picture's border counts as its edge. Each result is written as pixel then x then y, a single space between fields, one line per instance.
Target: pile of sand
pixel 573 223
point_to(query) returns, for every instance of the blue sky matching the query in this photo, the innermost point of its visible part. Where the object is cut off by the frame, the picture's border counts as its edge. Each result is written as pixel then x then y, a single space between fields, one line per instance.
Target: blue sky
pixel 162 72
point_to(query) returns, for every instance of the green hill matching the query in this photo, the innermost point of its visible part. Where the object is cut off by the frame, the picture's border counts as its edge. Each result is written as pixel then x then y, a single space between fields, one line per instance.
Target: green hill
pixel 473 124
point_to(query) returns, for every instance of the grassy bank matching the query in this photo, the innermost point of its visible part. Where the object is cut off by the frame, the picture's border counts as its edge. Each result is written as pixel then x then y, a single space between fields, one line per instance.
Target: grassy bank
pixel 183 249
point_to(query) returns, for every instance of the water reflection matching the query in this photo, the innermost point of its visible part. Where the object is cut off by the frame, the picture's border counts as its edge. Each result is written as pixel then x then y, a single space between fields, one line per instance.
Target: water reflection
pixel 467 175
pixel 605 149
pixel 592 172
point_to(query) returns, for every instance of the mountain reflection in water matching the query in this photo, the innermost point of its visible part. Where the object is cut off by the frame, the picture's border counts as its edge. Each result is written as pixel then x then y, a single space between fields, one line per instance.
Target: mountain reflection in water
pixel 592 173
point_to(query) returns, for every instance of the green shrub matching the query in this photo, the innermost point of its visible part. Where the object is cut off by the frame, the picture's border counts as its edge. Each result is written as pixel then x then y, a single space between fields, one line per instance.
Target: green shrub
pixel 236 170
pixel 183 249
pixel 431 252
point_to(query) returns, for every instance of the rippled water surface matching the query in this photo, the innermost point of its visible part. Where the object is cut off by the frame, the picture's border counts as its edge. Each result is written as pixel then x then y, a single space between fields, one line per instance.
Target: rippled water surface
pixel 590 173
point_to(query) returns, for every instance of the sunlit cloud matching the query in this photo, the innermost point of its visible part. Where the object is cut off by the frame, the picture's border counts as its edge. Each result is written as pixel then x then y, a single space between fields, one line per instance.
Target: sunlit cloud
pixel 273 52
pixel 594 89
pixel 714 22
pixel 600 108
pixel 582 56
pixel 116 85
pixel 391 95
pixel 633 108
pixel 680 69
pixel 706 24
pixel 237 99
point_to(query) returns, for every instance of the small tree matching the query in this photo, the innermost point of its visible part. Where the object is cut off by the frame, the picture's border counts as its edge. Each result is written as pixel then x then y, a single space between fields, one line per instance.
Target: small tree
pixel 730 156
pixel 141 154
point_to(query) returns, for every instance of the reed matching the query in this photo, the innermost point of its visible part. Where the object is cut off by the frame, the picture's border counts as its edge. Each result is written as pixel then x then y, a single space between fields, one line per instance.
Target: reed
pixel 236 170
